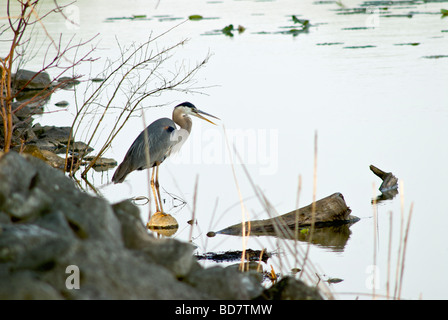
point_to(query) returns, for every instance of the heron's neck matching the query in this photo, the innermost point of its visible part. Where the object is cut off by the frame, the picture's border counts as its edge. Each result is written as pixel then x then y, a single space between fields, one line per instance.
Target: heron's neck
pixel 182 120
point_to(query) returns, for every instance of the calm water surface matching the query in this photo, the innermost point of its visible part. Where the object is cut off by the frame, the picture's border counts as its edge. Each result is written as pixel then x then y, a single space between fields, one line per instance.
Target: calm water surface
pixel 368 83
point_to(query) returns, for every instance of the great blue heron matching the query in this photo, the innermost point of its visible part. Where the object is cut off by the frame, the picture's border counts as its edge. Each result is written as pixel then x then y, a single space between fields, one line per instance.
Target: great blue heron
pixel 156 143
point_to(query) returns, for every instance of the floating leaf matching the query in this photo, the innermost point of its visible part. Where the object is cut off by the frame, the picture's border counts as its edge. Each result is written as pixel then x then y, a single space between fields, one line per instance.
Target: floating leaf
pixel 436 56
pixel 195 17
pixel 444 12
pixel 340 4
pixel 294 19
pixel 228 30
pixel 138 16
pixel 303 22
pixel 359 47
pixel 408 44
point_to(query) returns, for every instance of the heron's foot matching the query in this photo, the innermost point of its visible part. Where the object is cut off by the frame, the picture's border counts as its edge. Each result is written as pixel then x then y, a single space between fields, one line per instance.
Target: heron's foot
pixel 161 213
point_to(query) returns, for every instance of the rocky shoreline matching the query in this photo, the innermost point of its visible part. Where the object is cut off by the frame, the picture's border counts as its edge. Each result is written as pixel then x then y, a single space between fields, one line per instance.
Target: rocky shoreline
pixel 58 242
pixel 45 142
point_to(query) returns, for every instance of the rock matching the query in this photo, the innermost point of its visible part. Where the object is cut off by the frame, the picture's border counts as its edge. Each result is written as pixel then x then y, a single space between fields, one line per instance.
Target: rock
pixel 67 83
pixel 77 148
pixel 52 133
pixel 133 232
pixel 32 80
pixel 49 157
pixel 61 104
pixel 174 256
pixel 97 79
pixel 102 164
pixel 56 139
pixel 35 99
pixel 48 228
pixel 160 220
pixel 290 289
pixel 24 112
pixel 31 247
pixel 108 273
pixel 25 286
pixel 225 283
pixel 68 80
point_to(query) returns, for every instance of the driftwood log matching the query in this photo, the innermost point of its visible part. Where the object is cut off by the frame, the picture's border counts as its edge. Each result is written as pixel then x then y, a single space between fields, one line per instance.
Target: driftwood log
pixel 331 211
pixel 389 186
pixel 389 180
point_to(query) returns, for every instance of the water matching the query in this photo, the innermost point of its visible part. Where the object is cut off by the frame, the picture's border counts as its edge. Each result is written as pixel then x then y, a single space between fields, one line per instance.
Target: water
pixel 367 84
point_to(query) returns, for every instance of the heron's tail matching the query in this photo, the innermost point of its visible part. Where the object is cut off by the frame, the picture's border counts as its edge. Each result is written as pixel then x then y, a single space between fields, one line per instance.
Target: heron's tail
pixel 121 173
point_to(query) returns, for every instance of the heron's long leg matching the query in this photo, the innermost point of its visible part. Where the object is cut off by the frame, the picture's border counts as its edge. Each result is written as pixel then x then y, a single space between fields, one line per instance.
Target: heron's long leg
pixel 157 188
pixel 154 189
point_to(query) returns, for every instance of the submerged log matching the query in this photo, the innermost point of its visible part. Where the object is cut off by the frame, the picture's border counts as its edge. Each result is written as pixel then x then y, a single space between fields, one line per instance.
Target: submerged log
pixel 329 211
pixel 389 180
pixel 230 255
pixel 389 187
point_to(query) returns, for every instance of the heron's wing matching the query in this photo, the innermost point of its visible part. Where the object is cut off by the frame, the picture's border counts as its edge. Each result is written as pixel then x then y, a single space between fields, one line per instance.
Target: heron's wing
pixel 157 139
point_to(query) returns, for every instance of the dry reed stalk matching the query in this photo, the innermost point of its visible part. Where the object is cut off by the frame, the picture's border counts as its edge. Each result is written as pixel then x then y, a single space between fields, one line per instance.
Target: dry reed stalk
pixel 375 238
pixel 245 234
pixel 259 268
pixel 147 158
pixel 193 213
pixel 397 271
pixel 405 242
pixel 389 252
pixel 401 255
pixel 313 207
pixel 281 228
pixel 296 227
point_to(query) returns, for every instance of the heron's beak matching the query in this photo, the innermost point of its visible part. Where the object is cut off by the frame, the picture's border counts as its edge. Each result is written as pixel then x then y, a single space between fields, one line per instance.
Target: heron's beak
pixel 198 113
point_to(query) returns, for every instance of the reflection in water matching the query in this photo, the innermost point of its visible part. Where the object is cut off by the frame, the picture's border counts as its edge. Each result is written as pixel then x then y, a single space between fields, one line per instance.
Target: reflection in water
pixel 333 237
pixel 163 224
pixel 325 222
pixel 386 195
pixel 376 76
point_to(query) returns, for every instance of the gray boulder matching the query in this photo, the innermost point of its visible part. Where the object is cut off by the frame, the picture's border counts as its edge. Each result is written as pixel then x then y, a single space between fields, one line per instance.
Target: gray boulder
pixel 58 242
pixel 30 80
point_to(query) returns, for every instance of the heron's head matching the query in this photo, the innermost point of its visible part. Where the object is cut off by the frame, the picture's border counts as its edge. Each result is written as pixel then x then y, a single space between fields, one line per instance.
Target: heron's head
pixel 187 108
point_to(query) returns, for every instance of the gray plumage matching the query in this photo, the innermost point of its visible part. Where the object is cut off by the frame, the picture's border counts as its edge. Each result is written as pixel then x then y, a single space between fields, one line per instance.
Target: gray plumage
pixel 160 138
